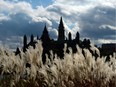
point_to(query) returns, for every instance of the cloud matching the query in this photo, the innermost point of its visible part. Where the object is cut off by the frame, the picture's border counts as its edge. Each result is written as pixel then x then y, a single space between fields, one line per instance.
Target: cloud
pixel 93 19
pixel 108 26
pixel 93 22
pixel 17 19
pixel 106 41
pixel 3 17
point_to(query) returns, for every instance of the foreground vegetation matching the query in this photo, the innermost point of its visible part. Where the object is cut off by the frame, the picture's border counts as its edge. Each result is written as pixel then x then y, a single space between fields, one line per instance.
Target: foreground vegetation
pixel 75 70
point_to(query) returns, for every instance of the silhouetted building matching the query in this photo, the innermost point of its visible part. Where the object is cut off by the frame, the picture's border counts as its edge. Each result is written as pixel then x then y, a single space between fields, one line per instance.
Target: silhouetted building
pixel 109 47
pixel 107 50
pixel 17 51
pixel 24 43
pixel 57 46
pixel 45 36
pixel 37 37
pixel 77 37
pixel 70 36
pixel 46 43
pixel 61 36
pixel 32 42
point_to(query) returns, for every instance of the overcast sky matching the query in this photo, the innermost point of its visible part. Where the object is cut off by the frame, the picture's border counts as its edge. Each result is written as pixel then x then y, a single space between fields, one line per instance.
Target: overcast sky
pixel 94 19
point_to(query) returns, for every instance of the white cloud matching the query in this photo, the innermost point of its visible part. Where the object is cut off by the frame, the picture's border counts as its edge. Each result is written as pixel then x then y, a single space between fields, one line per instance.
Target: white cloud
pixel 11 9
pixel 107 26
pixel 4 17
pixel 85 2
pixel 85 16
pixel 106 41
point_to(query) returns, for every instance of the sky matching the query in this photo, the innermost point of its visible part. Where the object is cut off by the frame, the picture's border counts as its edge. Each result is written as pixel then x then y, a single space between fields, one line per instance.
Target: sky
pixel 93 19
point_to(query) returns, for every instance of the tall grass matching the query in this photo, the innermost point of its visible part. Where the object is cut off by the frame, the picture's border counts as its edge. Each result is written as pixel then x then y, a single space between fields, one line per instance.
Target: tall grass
pixel 75 70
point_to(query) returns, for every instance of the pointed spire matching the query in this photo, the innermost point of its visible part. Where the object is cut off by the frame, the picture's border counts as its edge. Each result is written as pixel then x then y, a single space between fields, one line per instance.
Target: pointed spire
pixel 61 23
pixel 17 51
pixel 45 35
pixel 61 36
pixel 45 28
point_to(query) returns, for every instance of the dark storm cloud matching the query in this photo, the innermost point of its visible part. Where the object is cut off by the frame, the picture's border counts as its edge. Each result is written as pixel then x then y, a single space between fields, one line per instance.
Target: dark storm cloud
pixel 93 19
pixel 91 22
pixel 19 25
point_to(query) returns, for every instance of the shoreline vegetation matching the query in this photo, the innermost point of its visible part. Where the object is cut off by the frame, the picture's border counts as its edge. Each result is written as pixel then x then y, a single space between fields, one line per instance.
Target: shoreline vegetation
pixel 75 70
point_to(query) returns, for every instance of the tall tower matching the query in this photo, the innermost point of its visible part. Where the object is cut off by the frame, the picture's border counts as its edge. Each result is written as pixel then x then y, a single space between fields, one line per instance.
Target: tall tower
pixel 61 36
pixel 32 38
pixel 45 36
pixel 69 36
pixel 77 37
pixel 24 43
